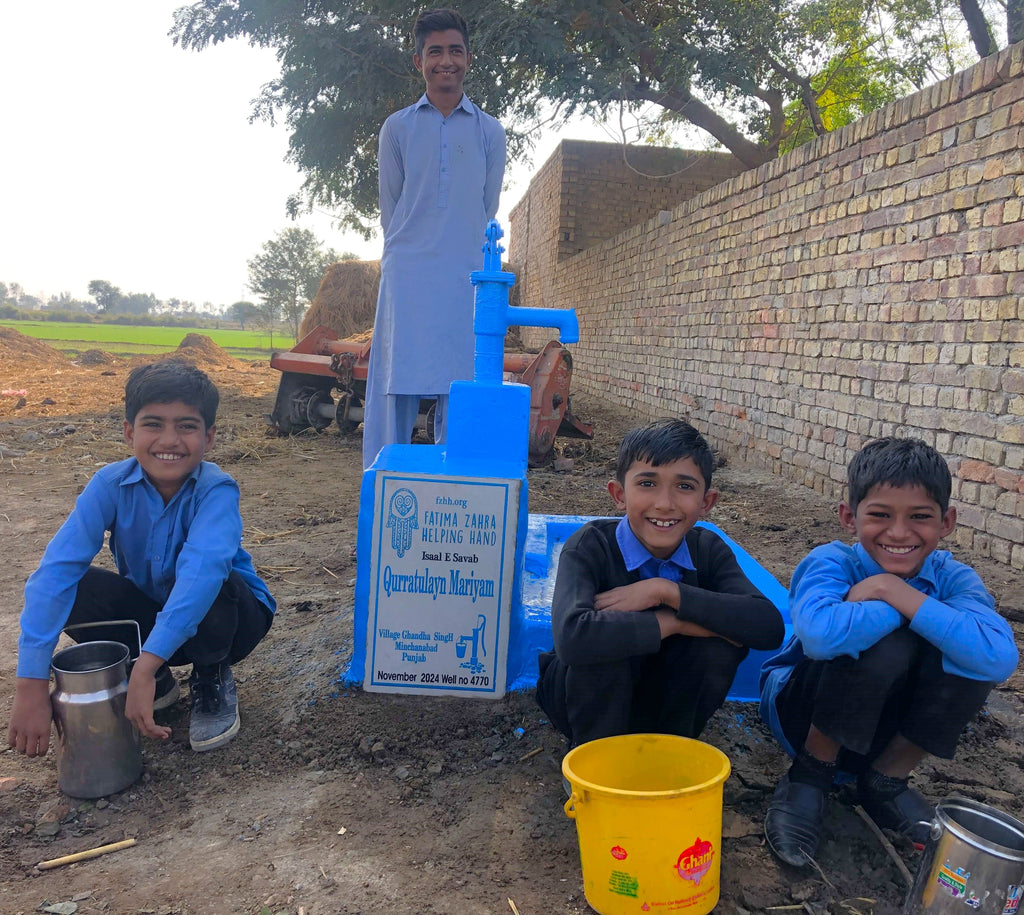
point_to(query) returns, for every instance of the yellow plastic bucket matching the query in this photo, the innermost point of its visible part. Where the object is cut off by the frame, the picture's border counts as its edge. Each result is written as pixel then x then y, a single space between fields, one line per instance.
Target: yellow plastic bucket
pixel 648 812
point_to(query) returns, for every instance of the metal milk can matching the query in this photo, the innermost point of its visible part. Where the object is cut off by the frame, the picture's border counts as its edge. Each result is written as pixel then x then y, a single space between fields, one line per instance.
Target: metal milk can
pixel 974 859
pixel 99 751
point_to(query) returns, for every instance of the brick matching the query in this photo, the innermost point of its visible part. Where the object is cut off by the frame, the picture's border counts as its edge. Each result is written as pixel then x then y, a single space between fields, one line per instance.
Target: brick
pixel 978 471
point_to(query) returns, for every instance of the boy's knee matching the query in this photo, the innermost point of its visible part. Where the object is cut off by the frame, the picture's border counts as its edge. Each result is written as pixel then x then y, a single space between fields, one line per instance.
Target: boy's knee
pixel 722 661
pixel 891 656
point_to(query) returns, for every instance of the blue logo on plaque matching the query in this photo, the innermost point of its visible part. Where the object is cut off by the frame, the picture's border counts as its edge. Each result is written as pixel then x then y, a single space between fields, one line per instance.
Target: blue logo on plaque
pixel 402 520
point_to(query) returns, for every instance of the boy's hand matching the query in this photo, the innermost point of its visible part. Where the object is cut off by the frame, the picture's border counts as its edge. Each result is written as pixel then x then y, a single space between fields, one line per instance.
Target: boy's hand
pixel 141 690
pixel 31 714
pixel 640 595
pixel 903 598
pixel 670 624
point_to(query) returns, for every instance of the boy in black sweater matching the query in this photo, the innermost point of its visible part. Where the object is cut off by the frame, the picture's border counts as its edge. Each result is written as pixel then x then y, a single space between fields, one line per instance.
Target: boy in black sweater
pixel 651 617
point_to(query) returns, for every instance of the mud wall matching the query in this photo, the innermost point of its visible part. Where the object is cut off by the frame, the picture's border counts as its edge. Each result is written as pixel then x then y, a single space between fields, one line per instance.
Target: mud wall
pixel 869 283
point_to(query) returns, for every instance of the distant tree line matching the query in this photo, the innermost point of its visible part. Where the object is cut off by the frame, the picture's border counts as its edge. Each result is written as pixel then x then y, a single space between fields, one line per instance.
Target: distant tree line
pixel 284 276
pixel 111 306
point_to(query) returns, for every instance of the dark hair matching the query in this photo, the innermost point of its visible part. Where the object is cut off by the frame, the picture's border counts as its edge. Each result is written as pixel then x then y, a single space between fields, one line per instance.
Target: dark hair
pixel 167 381
pixel 899 462
pixel 663 442
pixel 438 21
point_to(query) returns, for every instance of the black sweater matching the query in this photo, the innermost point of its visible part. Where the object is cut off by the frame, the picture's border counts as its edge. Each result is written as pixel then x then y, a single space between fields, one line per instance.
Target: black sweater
pixel 717 596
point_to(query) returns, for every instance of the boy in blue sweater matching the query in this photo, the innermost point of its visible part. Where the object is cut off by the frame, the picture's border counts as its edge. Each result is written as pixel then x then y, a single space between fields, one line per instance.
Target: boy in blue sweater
pixel 896 646
pixel 182 575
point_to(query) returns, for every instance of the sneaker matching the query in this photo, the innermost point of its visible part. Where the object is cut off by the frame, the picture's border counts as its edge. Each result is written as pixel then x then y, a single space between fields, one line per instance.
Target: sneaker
pixel 893 804
pixel 215 717
pixel 167 690
pixel 793 824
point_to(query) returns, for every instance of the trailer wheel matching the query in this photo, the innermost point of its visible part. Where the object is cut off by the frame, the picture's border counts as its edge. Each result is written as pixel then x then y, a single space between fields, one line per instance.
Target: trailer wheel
pixel 299 405
pixel 316 399
pixel 347 402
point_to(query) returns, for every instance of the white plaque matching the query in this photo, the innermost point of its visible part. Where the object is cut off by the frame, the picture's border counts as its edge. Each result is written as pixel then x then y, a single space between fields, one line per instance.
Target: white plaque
pixel 441 570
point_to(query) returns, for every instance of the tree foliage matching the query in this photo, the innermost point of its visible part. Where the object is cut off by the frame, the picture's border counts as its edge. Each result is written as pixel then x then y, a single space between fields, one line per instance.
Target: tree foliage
pixel 287 272
pixel 111 300
pixel 242 312
pixel 106 294
pixel 756 76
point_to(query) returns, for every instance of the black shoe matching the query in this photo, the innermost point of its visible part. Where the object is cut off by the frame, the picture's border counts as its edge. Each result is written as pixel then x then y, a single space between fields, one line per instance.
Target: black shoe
pixel 893 804
pixel 794 820
pixel 167 690
pixel 215 717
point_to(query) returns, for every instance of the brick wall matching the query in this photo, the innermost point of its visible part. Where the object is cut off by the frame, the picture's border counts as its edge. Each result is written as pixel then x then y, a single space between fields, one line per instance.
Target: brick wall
pixel 869 283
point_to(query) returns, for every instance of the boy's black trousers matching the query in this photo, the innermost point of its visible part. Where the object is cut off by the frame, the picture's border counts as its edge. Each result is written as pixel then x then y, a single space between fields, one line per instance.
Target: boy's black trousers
pixel 897 686
pixel 674 691
pixel 233 626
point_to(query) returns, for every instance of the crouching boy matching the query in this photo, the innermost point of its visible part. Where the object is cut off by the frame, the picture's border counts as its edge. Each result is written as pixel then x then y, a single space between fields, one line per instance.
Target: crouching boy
pixel 175 535
pixel 896 646
pixel 650 616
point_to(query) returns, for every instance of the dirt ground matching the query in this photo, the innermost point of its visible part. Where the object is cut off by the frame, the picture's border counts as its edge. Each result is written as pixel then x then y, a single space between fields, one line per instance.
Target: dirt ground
pixel 340 801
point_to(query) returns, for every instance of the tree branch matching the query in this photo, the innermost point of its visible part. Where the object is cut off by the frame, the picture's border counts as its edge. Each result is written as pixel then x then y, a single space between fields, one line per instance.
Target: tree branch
pixel 977 25
pixel 702 116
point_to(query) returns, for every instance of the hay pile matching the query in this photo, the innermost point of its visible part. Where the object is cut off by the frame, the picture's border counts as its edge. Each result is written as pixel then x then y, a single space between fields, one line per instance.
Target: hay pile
pixel 346 300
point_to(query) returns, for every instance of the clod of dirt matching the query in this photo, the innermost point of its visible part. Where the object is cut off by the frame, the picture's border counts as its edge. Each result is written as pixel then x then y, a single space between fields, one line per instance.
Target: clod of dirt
pixel 96 357
pixel 13 344
pixel 200 348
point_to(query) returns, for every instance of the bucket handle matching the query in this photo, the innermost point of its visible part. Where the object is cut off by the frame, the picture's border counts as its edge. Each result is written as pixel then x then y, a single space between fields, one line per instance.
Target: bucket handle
pixel 570 805
pixel 135 623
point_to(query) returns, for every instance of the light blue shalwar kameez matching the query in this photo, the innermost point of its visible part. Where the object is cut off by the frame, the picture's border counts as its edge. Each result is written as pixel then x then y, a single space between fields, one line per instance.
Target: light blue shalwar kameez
pixel 440 178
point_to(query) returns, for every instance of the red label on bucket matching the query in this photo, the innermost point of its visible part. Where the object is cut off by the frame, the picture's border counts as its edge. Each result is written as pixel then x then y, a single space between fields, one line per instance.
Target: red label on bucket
pixel 695 861
pixel 619 853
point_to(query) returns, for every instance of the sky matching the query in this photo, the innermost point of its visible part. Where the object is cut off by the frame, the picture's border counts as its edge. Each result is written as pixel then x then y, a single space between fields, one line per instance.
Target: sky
pixel 127 159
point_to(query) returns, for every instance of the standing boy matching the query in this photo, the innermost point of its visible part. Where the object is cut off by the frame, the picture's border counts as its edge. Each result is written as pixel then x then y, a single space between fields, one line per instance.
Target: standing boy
pixel 441 165
pixel 175 535
pixel 895 647
pixel 651 616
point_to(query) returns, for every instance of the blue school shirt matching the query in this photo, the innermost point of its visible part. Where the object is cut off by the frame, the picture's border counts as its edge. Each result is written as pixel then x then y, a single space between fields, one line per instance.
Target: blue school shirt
pixel 178 554
pixel 637 556
pixel 958 617
pixel 440 179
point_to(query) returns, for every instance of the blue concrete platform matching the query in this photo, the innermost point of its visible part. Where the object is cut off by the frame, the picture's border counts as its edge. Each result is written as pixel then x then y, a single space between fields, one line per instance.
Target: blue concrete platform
pixel 530 629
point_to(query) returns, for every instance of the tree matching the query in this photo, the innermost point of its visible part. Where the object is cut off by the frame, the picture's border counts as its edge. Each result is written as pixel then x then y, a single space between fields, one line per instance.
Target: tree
pixel 242 312
pixel 749 73
pixel 106 294
pixel 287 274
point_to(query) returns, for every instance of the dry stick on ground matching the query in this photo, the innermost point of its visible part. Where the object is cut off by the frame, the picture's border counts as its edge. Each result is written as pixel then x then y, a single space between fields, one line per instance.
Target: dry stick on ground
pixel 527 756
pixel 886 844
pixel 821 873
pixel 84 855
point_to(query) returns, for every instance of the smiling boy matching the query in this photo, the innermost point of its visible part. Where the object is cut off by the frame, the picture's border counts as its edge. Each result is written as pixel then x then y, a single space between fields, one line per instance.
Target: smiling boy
pixel 441 163
pixel 182 575
pixel 896 646
pixel 650 616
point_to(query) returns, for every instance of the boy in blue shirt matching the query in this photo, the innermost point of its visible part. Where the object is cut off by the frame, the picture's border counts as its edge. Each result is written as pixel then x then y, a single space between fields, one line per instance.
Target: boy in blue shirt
pixel 895 648
pixel 650 615
pixel 175 535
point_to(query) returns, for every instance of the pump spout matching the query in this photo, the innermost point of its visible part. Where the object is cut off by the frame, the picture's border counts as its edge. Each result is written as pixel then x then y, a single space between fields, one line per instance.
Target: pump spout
pixel 493 315
pixel 562 318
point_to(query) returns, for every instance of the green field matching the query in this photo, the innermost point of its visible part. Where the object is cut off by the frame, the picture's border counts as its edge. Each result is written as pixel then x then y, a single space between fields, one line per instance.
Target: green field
pixel 130 339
